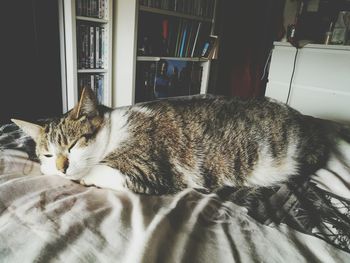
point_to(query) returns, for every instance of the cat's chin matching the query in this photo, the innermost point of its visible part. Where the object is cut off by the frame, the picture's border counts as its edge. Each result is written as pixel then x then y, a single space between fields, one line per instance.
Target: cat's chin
pixel 74 176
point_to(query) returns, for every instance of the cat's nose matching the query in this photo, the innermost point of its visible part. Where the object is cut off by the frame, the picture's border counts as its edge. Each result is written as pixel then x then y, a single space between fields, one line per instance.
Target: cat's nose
pixel 62 163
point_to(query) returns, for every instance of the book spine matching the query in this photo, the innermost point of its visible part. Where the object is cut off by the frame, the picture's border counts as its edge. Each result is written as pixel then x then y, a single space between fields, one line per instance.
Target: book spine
pixel 100 9
pixel 189 39
pixel 196 39
pixel 92 47
pixel 183 41
pixel 100 59
pixel 87 47
pixel 100 89
pixel 88 13
pixel 106 2
pixel 97 44
pixel 178 39
pixel 205 49
pixel 79 8
pixel 165 37
pixel 79 45
pixel 83 7
pixel 103 48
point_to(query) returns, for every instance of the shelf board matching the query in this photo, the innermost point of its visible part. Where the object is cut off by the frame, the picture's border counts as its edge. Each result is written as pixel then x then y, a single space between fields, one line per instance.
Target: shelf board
pixel 93 70
pixel 173 13
pixel 149 58
pixel 316 46
pixel 92 19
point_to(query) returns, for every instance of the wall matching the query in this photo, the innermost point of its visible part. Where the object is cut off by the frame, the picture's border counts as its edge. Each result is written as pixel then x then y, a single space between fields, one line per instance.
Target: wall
pixel 30 78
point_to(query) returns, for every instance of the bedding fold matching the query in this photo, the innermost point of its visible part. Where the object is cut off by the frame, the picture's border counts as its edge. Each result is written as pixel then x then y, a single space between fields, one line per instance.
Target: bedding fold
pixel 51 219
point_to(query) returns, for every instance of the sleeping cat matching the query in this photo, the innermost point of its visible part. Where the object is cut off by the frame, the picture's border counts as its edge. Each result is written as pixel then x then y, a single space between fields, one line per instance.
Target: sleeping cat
pixel 165 146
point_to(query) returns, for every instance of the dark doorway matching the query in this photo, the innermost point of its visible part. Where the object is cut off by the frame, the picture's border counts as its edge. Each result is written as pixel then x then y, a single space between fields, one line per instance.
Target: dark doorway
pixel 247 29
pixel 30 55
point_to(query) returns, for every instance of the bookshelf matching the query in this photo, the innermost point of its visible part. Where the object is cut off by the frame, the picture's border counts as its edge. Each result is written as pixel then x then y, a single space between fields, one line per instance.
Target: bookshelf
pixel 122 22
pixel 86 29
pixel 134 19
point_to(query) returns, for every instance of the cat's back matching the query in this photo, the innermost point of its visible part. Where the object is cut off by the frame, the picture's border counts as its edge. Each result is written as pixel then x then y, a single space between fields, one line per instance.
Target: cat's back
pixel 214 140
pixel 219 110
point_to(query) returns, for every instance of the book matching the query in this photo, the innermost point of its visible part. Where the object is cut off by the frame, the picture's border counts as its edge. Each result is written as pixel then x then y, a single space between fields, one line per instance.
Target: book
pixel 97 47
pixel 91 8
pixel 172 37
pixel 196 39
pixel 178 39
pixel 99 92
pixel 213 54
pixel 93 81
pixel 103 48
pixel 145 76
pixel 165 35
pixel 183 40
pixel 190 39
pixel 208 46
pixel 92 47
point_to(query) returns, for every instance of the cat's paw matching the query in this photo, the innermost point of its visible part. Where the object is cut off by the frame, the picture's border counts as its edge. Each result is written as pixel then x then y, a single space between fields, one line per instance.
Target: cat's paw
pixel 103 176
pixel 86 182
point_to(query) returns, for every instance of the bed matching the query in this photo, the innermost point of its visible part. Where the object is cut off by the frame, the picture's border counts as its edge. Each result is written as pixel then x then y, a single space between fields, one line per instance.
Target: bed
pixel 51 219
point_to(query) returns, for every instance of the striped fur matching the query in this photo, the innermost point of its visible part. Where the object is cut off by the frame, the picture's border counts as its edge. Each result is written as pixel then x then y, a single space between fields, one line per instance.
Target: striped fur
pixel 165 146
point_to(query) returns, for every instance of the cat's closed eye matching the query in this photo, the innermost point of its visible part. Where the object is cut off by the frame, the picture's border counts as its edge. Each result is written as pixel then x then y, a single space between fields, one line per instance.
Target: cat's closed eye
pixel 85 137
pixel 73 144
pixel 48 155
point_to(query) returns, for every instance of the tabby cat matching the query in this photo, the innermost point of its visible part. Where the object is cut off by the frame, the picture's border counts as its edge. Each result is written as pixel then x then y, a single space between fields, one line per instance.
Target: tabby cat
pixel 165 146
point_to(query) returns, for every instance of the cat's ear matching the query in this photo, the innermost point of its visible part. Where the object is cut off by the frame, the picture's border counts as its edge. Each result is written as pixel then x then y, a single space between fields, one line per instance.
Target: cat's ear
pixel 87 105
pixel 33 130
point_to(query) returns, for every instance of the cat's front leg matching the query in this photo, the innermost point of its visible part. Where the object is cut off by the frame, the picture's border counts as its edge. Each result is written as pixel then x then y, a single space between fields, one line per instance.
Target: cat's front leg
pixel 105 177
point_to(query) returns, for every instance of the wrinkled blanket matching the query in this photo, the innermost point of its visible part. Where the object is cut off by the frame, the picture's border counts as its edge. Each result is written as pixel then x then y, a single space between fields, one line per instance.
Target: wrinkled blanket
pixel 51 219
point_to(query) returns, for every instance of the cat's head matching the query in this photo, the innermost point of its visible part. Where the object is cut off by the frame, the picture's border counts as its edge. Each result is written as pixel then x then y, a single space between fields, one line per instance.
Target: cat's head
pixel 68 146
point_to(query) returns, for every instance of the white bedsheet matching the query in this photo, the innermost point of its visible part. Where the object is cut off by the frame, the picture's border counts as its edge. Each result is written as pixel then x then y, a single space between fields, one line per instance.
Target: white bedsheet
pixel 51 219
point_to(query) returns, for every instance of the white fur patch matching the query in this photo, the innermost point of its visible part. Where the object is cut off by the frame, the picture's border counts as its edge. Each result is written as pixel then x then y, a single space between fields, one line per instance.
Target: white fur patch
pixel 191 176
pixel 105 177
pixel 48 164
pixel 142 110
pixel 267 172
pixel 118 130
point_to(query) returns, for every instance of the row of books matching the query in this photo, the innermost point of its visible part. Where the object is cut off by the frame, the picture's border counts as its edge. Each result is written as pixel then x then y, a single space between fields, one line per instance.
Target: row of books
pixel 203 8
pixel 93 81
pixel 92 8
pixel 167 78
pixel 91 46
pixel 172 37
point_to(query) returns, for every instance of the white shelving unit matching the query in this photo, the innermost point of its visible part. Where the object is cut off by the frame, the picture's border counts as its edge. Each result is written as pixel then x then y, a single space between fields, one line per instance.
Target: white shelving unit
pixel 149 58
pixel 121 25
pixel 70 70
pixel 126 15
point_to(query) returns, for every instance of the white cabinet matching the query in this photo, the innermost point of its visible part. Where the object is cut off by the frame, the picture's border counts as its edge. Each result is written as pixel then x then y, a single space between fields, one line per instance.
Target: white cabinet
pixel 321 82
